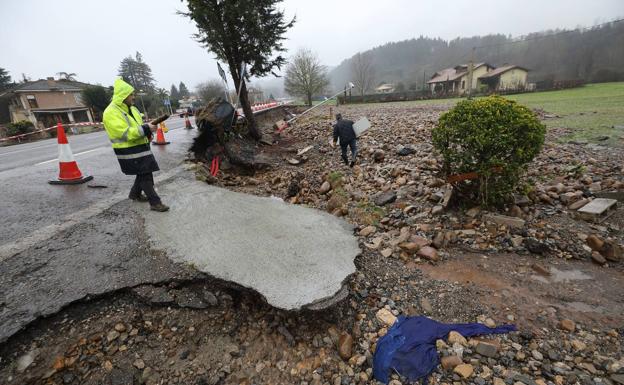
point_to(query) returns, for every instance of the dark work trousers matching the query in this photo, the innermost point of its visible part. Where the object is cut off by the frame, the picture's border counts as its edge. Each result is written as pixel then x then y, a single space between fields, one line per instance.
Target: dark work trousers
pixel 145 183
pixel 353 145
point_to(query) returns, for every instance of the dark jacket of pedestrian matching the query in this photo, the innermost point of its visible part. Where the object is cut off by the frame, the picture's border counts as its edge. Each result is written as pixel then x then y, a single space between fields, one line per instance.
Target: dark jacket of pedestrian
pixel 343 129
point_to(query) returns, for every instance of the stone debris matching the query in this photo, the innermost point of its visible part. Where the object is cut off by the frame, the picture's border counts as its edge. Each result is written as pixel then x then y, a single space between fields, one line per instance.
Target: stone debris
pixel 464 370
pixel 188 334
pixel 386 317
pixel 504 220
pixel 597 209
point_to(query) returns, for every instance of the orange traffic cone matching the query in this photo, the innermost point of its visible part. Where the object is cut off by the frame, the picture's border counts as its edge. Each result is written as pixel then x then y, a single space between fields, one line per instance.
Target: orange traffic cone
pixel 69 173
pixel 187 123
pixel 160 137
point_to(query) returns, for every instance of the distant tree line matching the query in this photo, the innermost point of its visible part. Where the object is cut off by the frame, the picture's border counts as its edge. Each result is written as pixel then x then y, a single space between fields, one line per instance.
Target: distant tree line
pixel 593 55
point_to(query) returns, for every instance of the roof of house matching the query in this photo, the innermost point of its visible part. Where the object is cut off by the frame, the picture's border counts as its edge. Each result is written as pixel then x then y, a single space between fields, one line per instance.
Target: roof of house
pixel 49 85
pixel 450 74
pixel 500 70
pixel 445 75
pixel 385 87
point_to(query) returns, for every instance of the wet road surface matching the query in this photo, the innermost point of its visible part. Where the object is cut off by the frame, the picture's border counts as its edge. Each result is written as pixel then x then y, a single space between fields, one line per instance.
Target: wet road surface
pixel 30 203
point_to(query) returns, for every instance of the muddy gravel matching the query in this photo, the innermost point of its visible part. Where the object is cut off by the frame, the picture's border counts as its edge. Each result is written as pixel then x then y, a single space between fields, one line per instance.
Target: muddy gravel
pixel 548 272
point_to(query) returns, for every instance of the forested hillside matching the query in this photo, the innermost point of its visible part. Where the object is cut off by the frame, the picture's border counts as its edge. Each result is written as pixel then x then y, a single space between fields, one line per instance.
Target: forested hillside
pixel 595 55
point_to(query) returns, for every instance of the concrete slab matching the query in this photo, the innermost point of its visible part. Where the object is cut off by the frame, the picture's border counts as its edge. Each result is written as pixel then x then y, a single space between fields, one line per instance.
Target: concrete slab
pixel 597 209
pixel 598 206
pixel 292 255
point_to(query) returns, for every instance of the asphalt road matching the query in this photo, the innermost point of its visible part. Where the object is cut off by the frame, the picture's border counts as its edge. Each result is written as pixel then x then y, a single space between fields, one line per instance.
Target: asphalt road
pixel 61 244
pixel 30 203
pixel 45 151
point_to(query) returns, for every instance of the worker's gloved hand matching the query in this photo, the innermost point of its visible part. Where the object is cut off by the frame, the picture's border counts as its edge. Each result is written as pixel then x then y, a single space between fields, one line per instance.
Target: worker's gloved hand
pixel 153 127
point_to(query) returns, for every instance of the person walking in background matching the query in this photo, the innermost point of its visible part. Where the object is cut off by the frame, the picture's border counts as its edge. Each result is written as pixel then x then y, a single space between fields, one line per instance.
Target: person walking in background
pixel 343 130
pixel 131 142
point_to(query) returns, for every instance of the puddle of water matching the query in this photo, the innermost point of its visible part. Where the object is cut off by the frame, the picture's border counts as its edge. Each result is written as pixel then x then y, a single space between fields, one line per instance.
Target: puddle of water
pixel 557 275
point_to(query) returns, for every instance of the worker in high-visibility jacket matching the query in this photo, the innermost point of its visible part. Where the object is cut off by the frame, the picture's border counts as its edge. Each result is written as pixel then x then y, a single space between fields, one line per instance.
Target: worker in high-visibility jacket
pixel 131 143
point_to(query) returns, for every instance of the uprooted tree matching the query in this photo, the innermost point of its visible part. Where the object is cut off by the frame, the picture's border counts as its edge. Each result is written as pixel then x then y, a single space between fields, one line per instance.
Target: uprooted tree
pixel 242 31
pixel 486 144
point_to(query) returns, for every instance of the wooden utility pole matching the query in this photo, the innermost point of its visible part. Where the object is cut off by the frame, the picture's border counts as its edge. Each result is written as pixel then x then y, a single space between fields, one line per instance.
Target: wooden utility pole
pixel 470 68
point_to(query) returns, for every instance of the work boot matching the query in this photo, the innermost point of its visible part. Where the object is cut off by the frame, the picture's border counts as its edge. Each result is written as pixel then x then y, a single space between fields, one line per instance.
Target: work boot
pixel 352 163
pixel 138 198
pixel 159 207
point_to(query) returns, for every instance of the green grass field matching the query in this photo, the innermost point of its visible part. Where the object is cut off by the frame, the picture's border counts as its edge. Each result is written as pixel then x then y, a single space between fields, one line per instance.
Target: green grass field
pixel 592 111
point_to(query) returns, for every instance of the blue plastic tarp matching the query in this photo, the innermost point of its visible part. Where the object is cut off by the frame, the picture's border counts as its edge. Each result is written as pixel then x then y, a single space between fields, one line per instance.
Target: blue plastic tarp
pixel 409 346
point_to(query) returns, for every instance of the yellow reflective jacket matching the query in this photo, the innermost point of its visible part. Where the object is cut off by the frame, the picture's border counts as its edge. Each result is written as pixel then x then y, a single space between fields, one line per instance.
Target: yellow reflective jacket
pixel 123 124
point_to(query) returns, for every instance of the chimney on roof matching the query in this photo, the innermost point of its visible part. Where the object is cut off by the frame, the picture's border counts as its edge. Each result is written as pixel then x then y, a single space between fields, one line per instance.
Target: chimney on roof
pixel 51 82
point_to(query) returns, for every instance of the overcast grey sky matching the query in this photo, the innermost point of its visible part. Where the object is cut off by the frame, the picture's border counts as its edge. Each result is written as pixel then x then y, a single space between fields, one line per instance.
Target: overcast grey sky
pixel 43 37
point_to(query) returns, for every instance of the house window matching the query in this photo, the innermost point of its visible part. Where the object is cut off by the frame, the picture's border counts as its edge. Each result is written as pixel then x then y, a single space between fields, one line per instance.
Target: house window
pixel 32 101
pixel 78 98
pixel 463 84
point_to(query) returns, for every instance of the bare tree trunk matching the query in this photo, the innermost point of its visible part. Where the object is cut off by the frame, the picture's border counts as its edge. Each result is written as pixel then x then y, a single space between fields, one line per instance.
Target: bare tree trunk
pixel 309 99
pixel 244 102
pixel 254 131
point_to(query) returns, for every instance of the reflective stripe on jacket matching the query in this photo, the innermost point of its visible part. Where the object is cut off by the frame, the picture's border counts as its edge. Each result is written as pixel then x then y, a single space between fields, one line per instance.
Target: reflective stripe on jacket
pixel 124 127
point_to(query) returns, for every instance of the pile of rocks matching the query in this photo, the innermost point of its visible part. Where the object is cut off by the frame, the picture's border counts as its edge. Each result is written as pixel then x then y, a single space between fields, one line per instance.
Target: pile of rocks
pixel 404 214
pixel 396 187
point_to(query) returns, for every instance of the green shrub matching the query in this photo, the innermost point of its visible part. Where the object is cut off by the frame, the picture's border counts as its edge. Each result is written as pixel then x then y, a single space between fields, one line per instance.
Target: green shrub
pixel 494 137
pixel 19 127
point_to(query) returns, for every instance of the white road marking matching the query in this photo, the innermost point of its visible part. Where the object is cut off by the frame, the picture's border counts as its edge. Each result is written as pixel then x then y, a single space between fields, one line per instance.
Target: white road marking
pixel 56 159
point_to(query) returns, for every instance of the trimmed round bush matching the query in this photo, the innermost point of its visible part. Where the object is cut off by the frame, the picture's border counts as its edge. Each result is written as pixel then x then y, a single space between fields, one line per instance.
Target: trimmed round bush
pixel 493 137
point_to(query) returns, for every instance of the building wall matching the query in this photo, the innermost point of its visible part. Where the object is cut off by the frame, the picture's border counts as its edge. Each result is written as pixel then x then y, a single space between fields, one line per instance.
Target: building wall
pixel 55 99
pixel 476 83
pixel 478 72
pixel 513 79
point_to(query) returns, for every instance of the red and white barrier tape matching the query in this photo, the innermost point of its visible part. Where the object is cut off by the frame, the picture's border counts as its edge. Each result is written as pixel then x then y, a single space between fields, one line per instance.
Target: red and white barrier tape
pixel 48 129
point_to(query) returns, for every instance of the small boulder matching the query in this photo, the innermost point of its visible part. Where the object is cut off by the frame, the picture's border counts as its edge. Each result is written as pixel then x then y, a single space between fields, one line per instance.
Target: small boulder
pixel 611 251
pixel 464 370
pixel 404 151
pixel 386 317
pixel 455 337
pixel 409 247
pixel 379 156
pixel 450 362
pixel 345 346
pixel 428 253
pixel 487 349
pixel 325 187
pixel 385 198
pixel 567 325
pixel 368 230
pixel 598 258
pixel 594 242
